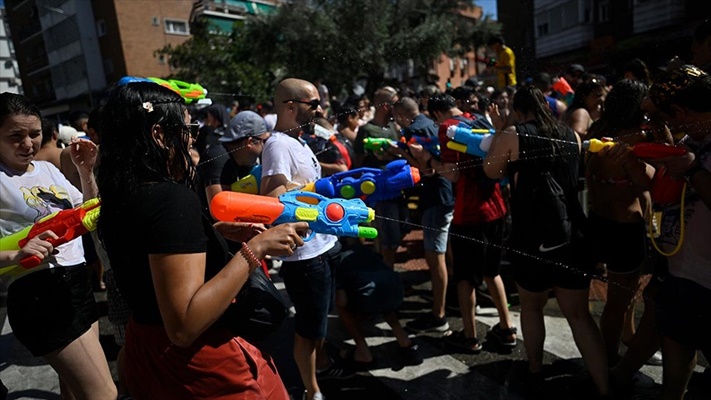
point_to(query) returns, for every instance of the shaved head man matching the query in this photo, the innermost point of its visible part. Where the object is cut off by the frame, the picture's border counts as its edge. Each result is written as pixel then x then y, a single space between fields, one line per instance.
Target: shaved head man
pixel 297 102
pixel 288 162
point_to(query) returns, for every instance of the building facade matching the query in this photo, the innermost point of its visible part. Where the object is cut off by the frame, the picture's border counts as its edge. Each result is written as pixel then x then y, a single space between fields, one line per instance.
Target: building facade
pixel 602 35
pixel 69 51
pixel 9 70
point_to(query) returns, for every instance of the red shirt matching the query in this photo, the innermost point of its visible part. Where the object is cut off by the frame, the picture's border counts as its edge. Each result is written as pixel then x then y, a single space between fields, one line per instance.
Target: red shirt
pixel 477 198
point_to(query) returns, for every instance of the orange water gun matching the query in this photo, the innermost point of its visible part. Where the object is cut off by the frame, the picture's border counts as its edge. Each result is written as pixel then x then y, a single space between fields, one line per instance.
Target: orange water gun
pixel 338 217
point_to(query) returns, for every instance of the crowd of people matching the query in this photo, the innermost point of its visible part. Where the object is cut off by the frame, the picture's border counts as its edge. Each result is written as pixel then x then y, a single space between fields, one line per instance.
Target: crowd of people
pixel 173 271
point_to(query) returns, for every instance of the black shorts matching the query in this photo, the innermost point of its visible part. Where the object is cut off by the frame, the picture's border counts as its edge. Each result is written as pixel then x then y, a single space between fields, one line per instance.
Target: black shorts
pixel 476 251
pixel 51 308
pixel 684 312
pixel 568 267
pixel 621 246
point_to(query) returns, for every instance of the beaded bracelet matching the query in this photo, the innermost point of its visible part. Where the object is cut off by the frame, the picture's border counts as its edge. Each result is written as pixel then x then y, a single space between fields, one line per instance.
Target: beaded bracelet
pixel 249 256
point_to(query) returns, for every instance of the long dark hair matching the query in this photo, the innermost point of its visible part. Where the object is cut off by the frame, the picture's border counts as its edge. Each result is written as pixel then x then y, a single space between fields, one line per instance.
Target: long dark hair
pixel 531 100
pixel 622 110
pixel 16 104
pixel 129 155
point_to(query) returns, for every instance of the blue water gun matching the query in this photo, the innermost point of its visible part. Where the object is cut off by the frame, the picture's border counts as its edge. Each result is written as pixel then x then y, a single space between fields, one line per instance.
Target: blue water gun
pixel 370 184
pixel 338 217
pixel 471 141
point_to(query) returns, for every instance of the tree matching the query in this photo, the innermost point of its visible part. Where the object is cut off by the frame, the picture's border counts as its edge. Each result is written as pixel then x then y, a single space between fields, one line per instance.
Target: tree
pixel 339 40
pixel 220 63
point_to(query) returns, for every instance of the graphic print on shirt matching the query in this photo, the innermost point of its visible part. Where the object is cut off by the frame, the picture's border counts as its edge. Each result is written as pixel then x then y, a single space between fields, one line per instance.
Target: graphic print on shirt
pixel 46 200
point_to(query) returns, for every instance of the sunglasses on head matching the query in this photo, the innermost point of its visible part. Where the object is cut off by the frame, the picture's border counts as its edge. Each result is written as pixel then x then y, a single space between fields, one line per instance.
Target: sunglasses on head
pixel 312 103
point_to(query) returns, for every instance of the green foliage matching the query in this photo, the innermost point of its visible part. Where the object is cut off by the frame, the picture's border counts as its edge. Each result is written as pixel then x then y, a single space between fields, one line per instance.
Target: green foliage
pixel 220 63
pixel 334 40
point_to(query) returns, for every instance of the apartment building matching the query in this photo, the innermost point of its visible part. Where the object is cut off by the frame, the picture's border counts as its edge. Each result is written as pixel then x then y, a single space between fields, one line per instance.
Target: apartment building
pixel 69 51
pixel 602 35
pixel 9 70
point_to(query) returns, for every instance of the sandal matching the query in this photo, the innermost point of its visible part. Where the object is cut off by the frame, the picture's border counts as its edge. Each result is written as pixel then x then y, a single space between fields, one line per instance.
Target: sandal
pixel 460 342
pixel 505 337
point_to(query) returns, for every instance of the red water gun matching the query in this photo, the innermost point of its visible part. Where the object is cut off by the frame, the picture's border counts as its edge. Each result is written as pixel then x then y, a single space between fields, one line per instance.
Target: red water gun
pixel 664 188
pixel 66 224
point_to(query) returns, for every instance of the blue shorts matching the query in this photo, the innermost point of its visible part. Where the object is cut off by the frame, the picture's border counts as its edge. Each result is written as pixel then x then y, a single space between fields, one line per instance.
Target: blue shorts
pixel 390 232
pixel 436 221
pixel 311 287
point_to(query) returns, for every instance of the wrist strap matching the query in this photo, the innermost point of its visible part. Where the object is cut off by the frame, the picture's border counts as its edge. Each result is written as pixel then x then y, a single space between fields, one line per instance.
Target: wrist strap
pixel 249 256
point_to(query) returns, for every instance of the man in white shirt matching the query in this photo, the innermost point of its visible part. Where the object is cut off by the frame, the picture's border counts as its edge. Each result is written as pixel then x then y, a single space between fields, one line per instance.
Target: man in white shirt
pixel 288 162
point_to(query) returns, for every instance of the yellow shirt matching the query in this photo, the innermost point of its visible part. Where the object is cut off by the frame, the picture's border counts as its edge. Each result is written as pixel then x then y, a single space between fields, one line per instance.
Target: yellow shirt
pixel 506 58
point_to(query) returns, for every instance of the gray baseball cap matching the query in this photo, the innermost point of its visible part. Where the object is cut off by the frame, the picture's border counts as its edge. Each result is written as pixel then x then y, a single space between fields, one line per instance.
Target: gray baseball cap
pixel 245 124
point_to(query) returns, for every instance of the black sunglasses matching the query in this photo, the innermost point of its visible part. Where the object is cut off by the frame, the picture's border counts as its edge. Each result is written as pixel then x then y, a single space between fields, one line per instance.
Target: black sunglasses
pixel 194 129
pixel 312 103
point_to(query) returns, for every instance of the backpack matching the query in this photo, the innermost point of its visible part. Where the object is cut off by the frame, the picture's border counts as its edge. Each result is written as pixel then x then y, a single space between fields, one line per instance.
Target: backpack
pixel 541 220
pixel 545 208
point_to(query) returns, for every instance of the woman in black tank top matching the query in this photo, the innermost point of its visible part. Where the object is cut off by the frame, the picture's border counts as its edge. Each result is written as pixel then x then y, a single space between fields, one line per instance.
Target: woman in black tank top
pixel 541 146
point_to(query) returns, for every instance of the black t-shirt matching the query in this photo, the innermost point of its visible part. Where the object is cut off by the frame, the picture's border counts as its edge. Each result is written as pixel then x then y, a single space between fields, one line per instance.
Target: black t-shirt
pixel 163 218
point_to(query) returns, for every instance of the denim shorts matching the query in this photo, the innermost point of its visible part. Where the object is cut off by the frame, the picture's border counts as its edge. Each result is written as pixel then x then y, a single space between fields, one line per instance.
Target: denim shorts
pixel 51 308
pixel 311 287
pixel 436 221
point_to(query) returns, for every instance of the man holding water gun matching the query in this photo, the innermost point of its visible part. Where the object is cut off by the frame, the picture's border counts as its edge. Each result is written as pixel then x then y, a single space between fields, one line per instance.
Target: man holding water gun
pixel 288 162
pixel 479 212
pixel 437 207
pixel 382 126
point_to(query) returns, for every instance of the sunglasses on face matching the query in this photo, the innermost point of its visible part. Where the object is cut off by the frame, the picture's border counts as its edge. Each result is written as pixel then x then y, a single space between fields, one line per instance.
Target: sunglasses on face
pixel 256 140
pixel 194 129
pixel 313 104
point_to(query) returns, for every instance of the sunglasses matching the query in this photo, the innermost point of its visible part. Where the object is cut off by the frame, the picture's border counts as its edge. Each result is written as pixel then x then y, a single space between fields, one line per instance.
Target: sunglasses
pixel 312 103
pixel 194 129
pixel 258 140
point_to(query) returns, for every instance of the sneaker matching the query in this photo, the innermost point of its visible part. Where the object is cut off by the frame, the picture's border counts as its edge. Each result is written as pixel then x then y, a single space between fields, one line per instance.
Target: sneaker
pixel 410 355
pixel 655 359
pixel 335 371
pixel 505 337
pixel 460 342
pixel 428 322
pixel 317 396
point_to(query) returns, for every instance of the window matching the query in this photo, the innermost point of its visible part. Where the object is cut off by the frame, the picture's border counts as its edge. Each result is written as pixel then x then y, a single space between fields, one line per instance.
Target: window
pixel 543 29
pixel 155 21
pixel 602 10
pixel 176 27
pixel 101 27
pixel 108 67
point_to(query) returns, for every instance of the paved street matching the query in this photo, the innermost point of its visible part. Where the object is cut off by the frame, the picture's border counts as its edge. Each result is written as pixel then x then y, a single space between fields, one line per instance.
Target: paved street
pixel 492 374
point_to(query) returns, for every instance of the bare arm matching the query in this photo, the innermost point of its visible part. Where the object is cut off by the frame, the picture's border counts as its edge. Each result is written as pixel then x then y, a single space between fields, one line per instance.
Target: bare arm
pixel 334 168
pixel 189 304
pixel 274 186
pixel 579 121
pixel 503 148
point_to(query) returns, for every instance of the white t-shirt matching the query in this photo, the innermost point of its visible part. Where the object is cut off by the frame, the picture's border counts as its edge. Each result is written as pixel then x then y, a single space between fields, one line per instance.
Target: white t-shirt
pixel 27 198
pixel 693 261
pixel 284 155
